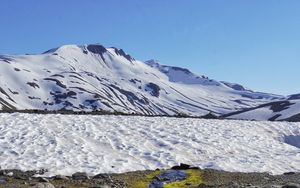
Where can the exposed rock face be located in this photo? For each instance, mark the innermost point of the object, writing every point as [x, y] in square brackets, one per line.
[96, 49]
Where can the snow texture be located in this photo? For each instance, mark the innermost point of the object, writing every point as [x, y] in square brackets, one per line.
[65, 144]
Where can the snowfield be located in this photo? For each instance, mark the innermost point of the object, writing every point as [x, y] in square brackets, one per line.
[65, 144]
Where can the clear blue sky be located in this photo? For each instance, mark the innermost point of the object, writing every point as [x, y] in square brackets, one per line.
[252, 42]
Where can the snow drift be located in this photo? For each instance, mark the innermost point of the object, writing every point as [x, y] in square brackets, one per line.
[65, 144]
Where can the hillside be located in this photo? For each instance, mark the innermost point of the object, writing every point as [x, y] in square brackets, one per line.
[92, 77]
[287, 110]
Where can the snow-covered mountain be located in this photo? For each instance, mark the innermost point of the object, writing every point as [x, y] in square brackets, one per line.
[92, 77]
[286, 110]
[293, 97]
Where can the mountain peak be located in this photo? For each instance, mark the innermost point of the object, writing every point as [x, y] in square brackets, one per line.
[121, 52]
[96, 48]
[67, 47]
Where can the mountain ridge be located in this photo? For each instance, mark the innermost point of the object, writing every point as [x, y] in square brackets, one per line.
[93, 77]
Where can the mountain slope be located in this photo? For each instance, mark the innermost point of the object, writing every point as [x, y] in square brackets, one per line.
[92, 77]
[287, 110]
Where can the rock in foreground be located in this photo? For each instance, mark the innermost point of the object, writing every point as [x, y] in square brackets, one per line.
[189, 177]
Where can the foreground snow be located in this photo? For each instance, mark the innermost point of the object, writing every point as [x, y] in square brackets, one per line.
[65, 144]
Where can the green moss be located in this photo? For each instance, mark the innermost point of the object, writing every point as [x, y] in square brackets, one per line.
[194, 178]
[141, 184]
[145, 181]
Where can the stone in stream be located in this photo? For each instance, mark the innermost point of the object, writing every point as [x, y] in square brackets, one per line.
[183, 166]
[188, 183]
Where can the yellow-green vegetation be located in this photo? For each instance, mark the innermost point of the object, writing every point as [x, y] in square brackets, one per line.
[194, 178]
[146, 180]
